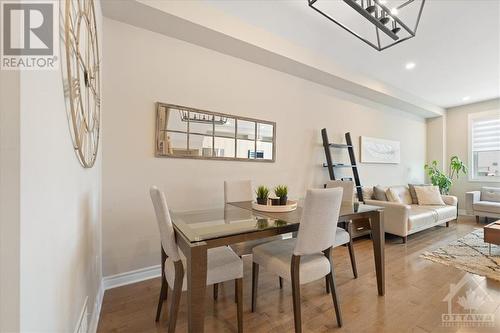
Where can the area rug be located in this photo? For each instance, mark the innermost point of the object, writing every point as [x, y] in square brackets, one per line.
[469, 253]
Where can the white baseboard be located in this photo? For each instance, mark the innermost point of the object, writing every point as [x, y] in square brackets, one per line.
[138, 275]
[96, 311]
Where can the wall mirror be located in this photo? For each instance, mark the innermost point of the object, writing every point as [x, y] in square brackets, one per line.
[183, 132]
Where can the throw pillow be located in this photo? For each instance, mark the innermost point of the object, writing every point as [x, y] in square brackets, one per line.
[379, 193]
[429, 195]
[392, 195]
[367, 193]
[413, 194]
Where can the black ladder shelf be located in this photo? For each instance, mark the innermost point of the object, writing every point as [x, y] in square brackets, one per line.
[332, 166]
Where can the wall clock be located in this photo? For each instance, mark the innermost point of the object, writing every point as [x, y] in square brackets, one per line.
[82, 78]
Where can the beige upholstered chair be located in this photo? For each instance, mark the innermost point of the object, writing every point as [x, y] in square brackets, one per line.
[222, 265]
[306, 258]
[484, 203]
[344, 236]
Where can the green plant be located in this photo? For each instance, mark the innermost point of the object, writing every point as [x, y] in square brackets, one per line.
[281, 191]
[440, 178]
[262, 192]
[456, 166]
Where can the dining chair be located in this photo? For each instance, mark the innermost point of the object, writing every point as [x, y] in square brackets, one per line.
[222, 265]
[344, 236]
[306, 258]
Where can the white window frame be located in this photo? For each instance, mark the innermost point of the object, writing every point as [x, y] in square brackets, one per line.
[471, 175]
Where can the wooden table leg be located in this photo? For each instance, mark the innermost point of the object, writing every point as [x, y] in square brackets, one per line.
[378, 237]
[196, 287]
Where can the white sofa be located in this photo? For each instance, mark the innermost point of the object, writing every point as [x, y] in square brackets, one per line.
[406, 218]
[484, 203]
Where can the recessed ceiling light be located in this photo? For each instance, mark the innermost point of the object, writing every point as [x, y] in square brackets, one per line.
[410, 65]
[466, 98]
[394, 11]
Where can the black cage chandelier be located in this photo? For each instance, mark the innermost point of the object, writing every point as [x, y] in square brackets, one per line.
[379, 23]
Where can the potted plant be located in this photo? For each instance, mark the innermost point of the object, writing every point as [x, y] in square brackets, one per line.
[443, 180]
[281, 192]
[262, 194]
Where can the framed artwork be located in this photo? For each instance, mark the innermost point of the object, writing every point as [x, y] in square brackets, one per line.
[374, 150]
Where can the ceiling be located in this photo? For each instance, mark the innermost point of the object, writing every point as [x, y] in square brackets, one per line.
[456, 50]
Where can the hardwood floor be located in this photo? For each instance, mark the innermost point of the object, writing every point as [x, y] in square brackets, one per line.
[415, 289]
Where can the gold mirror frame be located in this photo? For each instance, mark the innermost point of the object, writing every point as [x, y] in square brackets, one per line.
[161, 149]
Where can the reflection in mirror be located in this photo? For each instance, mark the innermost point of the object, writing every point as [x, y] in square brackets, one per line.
[200, 145]
[226, 129]
[224, 147]
[246, 129]
[245, 149]
[265, 132]
[264, 150]
[199, 123]
[191, 133]
[173, 144]
[175, 121]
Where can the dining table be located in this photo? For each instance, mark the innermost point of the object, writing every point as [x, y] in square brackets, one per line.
[199, 230]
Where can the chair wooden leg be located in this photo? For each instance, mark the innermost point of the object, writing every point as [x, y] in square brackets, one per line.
[216, 291]
[327, 285]
[239, 303]
[295, 267]
[176, 296]
[477, 219]
[405, 239]
[164, 285]
[235, 292]
[281, 282]
[447, 224]
[353, 259]
[333, 288]
[163, 297]
[255, 285]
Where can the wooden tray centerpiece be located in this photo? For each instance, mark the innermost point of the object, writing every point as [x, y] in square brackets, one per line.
[290, 205]
[279, 204]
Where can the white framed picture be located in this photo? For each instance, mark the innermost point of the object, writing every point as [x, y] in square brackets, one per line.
[374, 150]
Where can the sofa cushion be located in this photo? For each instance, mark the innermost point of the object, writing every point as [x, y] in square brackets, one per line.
[411, 188]
[420, 216]
[429, 195]
[367, 192]
[402, 192]
[442, 212]
[379, 193]
[490, 194]
[392, 195]
[487, 206]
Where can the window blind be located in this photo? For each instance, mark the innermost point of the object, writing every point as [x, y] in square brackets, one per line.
[486, 133]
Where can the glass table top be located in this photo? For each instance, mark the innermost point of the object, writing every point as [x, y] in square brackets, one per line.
[239, 218]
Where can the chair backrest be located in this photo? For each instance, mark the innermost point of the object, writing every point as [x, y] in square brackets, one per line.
[167, 233]
[490, 194]
[347, 185]
[238, 190]
[318, 224]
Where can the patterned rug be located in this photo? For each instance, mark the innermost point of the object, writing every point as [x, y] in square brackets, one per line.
[469, 253]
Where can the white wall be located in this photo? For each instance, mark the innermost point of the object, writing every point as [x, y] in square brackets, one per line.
[457, 143]
[436, 140]
[146, 67]
[59, 210]
[9, 201]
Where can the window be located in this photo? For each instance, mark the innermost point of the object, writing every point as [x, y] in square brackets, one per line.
[484, 146]
[191, 133]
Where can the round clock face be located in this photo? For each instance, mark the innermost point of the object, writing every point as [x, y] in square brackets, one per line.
[83, 78]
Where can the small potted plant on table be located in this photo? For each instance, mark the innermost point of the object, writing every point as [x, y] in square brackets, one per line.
[262, 194]
[281, 192]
